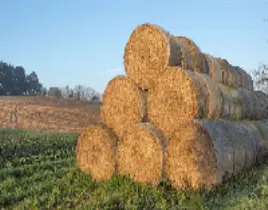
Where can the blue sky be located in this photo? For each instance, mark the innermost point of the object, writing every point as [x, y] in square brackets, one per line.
[69, 42]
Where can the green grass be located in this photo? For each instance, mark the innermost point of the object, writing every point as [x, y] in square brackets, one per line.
[38, 171]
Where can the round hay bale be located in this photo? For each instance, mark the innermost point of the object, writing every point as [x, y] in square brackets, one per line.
[198, 57]
[149, 50]
[234, 79]
[199, 154]
[261, 105]
[123, 104]
[140, 154]
[96, 152]
[246, 80]
[252, 140]
[262, 127]
[237, 101]
[178, 95]
[187, 58]
[224, 70]
[229, 103]
[214, 69]
[213, 96]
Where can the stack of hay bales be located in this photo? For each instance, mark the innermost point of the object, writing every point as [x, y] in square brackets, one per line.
[179, 114]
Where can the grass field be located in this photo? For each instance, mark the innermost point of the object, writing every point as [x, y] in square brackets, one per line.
[38, 171]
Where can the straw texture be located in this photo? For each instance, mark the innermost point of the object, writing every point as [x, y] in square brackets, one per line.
[149, 50]
[96, 152]
[181, 95]
[141, 154]
[203, 153]
[198, 58]
[123, 104]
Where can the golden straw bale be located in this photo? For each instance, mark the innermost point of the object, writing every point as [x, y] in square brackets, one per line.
[178, 95]
[224, 64]
[228, 103]
[123, 104]
[198, 154]
[181, 95]
[214, 68]
[197, 55]
[141, 153]
[187, 58]
[213, 96]
[96, 151]
[203, 153]
[149, 50]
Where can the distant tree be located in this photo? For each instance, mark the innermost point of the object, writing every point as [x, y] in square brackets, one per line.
[54, 91]
[14, 81]
[260, 78]
[33, 85]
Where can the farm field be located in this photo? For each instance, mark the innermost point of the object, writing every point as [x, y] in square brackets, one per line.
[49, 114]
[38, 171]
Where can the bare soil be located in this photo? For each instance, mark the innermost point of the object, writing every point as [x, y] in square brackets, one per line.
[48, 114]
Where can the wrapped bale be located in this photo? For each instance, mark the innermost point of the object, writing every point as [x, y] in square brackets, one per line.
[198, 58]
[96, 151]
[123, 104]
[203, 153]
[181, 95]
[140, 154]
[149, 50]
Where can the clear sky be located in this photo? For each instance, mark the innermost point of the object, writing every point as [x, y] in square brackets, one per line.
[69, 42]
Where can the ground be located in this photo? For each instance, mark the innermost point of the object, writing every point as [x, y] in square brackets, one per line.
[38, 171]
[48, 113]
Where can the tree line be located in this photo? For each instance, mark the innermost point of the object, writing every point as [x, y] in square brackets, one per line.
[15, 82]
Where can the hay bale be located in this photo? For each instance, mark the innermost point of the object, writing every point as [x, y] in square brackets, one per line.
[246, 79]
[123, 104]
[199, 154]
[187, 58]
[229, 103]
[182, 95]
[96, 152]
[234, 79]
[252, 139]
[224, 70]
[213, 96]
[149, 50]
[178, 95]
[140, 154]
[214, 68]
[262, 127]
[197, 56]
[203, 153]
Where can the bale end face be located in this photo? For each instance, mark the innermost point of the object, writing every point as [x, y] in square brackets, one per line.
[96, 152]
[190, 158]
[140, 154]
[149, 50]
[178, 95]
[123, 104]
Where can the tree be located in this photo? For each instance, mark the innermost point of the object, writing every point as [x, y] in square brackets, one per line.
[54, 91]
[14, 81]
